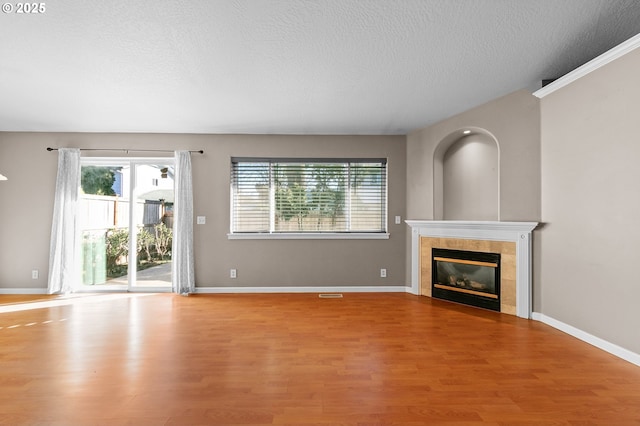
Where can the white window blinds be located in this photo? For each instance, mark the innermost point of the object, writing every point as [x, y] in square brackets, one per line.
[313, 196]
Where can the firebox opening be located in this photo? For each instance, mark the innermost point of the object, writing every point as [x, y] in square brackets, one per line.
[468, 277]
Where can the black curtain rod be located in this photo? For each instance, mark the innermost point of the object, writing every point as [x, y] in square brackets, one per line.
[127, 150]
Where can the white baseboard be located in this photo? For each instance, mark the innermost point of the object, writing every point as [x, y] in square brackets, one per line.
[345, 289]
[205, 290]
[23, 291]
[613, 349]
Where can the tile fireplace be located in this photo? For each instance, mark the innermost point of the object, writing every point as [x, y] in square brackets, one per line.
[509, 242]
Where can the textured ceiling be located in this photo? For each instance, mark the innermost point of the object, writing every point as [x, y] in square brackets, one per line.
[287, 66]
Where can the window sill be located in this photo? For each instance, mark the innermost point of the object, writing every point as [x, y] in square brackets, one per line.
[310, 236]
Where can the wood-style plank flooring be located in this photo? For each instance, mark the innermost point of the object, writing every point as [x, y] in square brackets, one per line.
[297, 359]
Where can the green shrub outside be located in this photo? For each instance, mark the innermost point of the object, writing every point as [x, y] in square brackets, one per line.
[152, 248]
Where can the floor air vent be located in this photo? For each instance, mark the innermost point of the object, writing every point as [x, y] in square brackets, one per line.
[330, 295]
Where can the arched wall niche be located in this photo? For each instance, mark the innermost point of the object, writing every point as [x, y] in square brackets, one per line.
[466, 176]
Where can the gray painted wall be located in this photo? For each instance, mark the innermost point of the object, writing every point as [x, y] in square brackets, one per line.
[27, 202]
[514, 122]
[470, 179]
[591, 205]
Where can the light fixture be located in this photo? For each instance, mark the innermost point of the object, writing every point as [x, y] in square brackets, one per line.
[466, 132]
[3, 177]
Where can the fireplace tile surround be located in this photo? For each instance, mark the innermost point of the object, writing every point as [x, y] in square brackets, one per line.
[511, 239]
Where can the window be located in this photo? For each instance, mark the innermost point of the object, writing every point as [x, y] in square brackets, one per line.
[303, 196]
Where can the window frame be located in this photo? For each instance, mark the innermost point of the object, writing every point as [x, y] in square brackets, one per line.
[308, 235]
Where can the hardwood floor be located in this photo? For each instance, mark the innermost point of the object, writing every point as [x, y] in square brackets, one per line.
[297, 359]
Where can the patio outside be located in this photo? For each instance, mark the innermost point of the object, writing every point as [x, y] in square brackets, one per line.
[105, 210]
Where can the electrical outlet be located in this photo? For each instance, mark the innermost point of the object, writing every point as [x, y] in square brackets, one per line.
[201, 220]
[35, 274]
[383, 273]
[398, 220]
[233, 273]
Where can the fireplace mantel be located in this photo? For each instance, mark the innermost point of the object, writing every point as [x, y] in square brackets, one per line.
[517, 232]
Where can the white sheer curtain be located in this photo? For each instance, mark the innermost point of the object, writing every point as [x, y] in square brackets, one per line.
[183, 270]
[62, 254]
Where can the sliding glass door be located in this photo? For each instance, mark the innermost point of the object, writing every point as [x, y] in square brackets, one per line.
[153, 225]
[126, 224]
